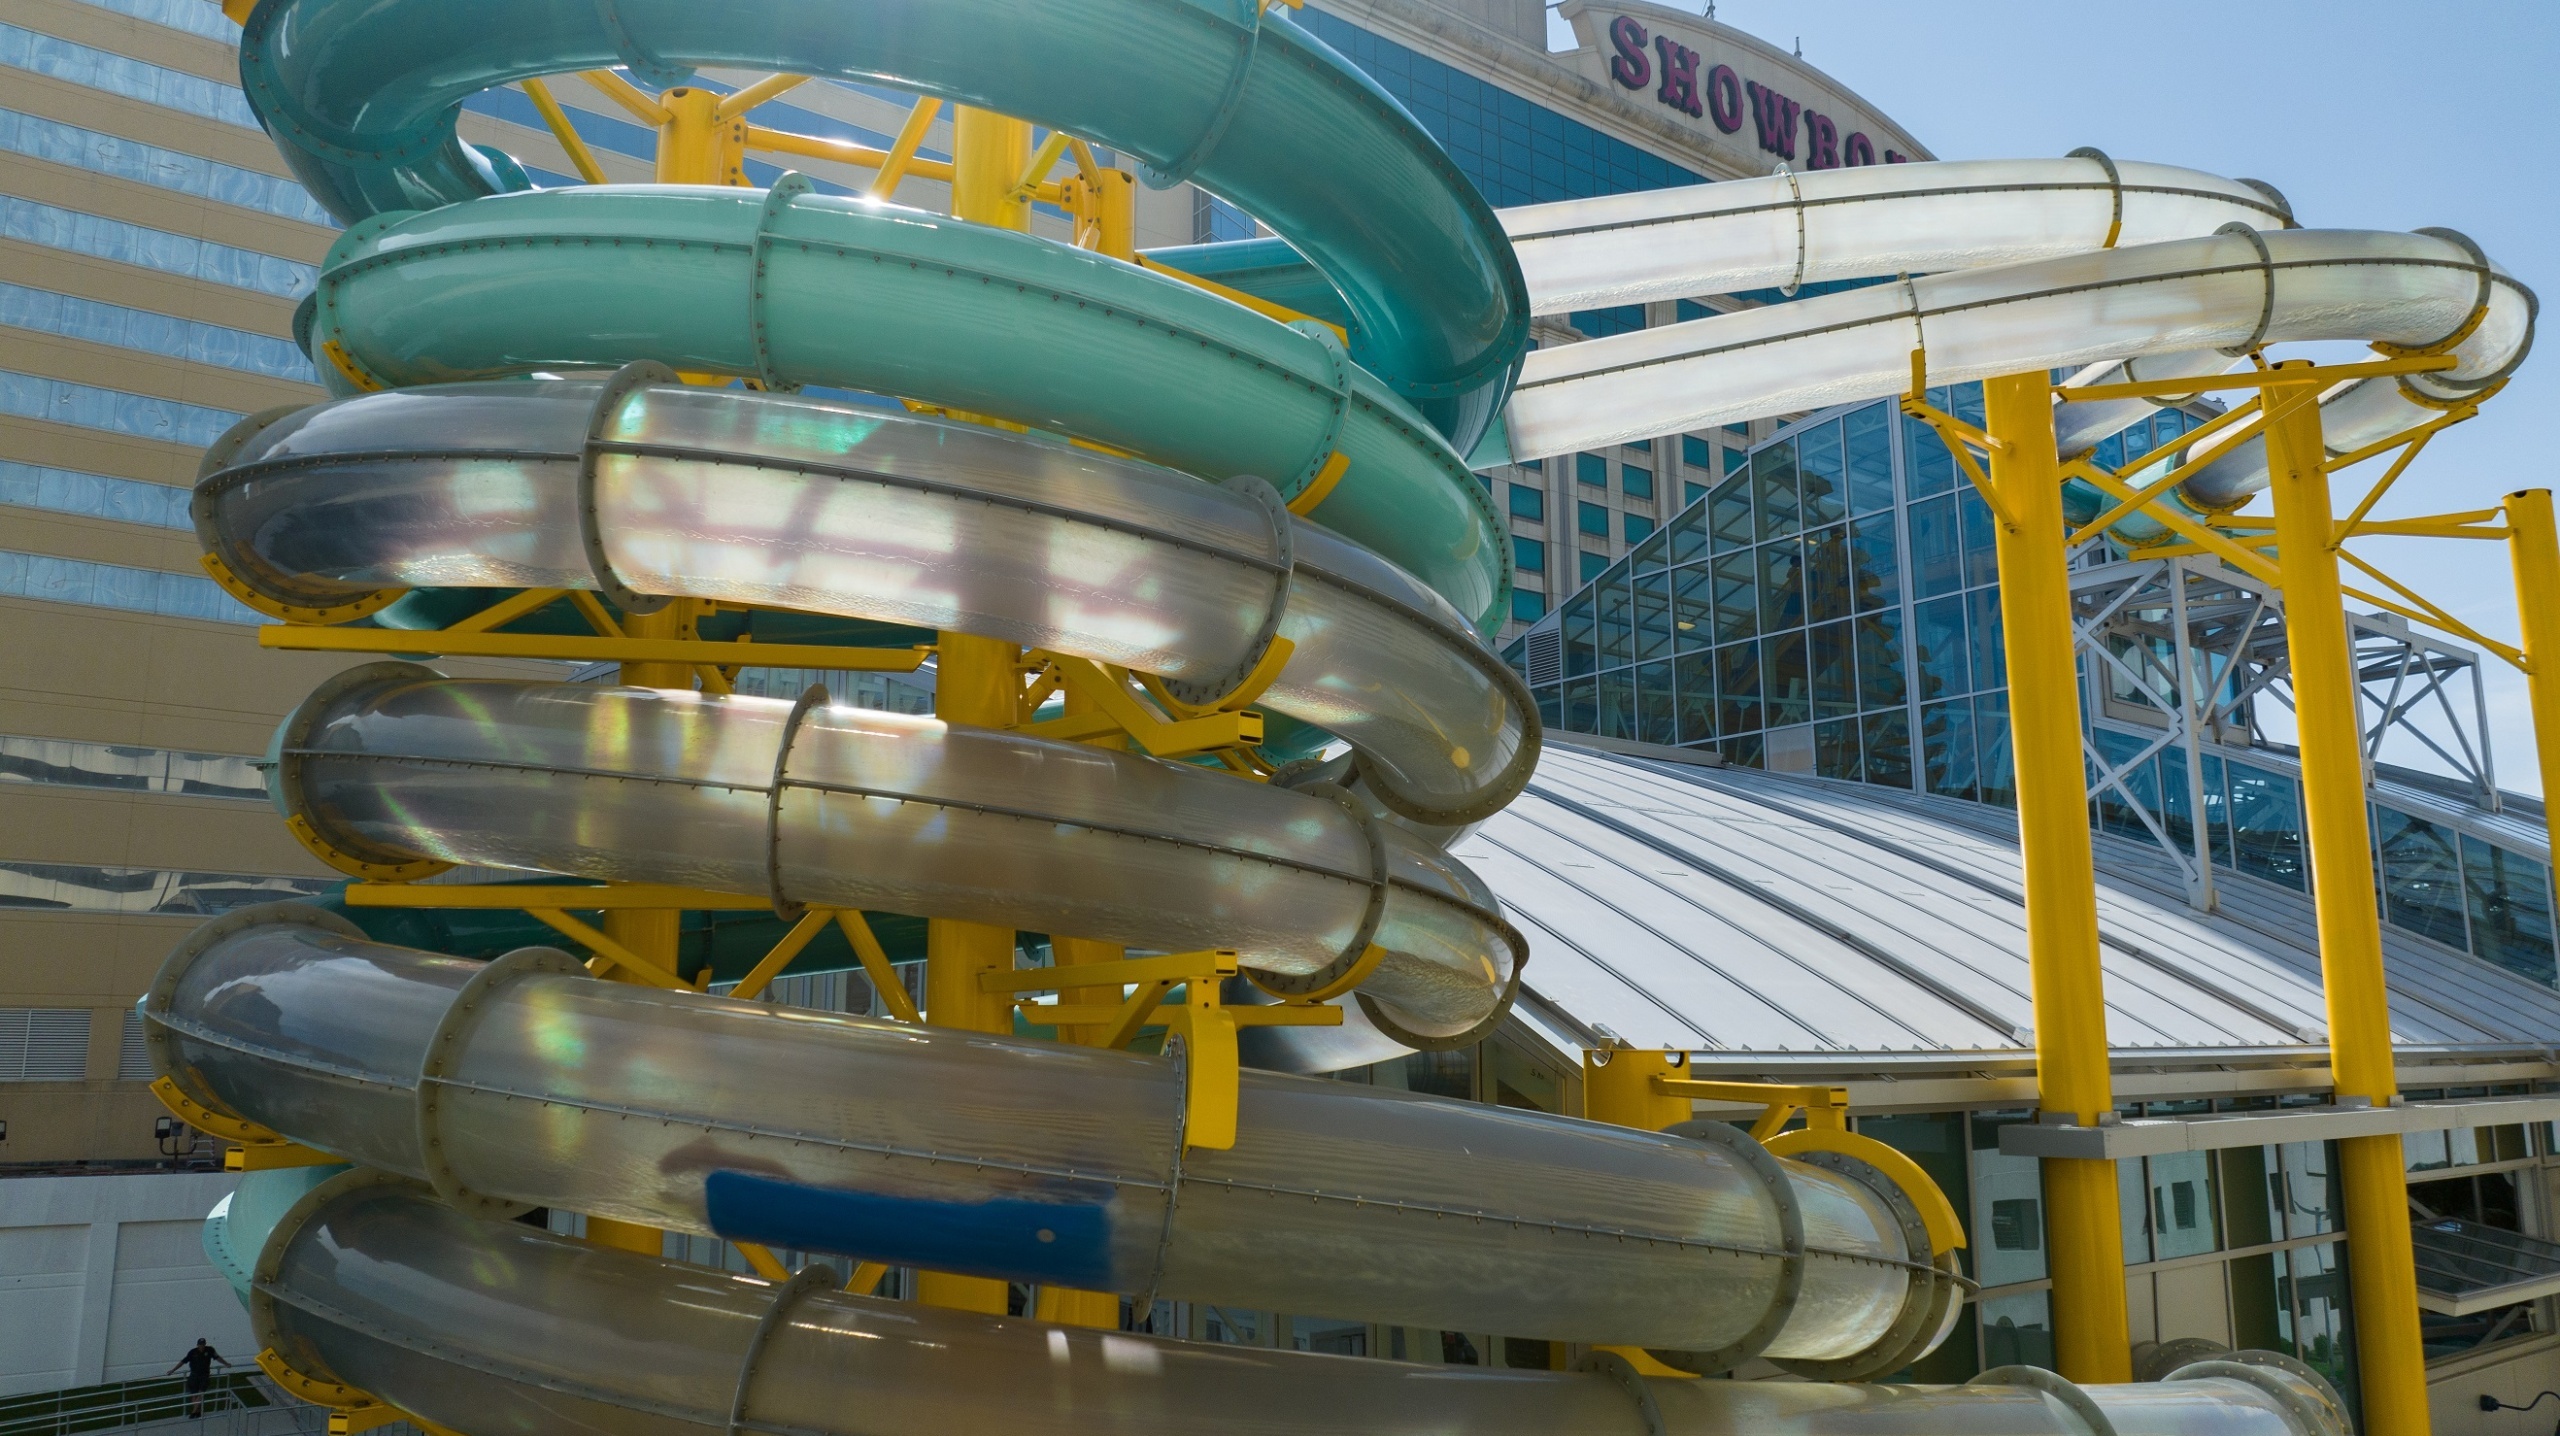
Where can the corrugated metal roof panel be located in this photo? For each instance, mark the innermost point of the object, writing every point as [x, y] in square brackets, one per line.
[1730, 909]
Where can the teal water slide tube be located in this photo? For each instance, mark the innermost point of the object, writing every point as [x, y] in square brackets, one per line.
[361, 97]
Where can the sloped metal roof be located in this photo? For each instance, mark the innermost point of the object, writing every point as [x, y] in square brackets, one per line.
[1732, 910]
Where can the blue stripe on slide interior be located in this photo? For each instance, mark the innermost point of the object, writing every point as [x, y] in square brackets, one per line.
[1053, 1242]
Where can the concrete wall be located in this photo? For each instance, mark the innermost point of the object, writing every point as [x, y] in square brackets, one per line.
[105, 1278]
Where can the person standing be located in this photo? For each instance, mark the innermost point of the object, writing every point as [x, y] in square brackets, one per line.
[199, 1361]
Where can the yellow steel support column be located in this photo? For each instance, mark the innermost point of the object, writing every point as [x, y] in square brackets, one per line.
[690, 151]
[697, 146]
[977, 680]
[2380, 1265]
[2085, 1244]
[2533, 544]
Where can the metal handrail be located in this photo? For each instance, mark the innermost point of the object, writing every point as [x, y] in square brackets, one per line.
[121, 1404]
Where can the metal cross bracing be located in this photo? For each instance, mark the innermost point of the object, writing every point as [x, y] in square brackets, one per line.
[2184, 648]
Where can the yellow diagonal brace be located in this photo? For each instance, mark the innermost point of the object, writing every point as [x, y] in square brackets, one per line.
[2150, 493]
[866, 1276]
[572, 143]
[2419, 609]
[1042, 159]
[756, 94]
[1134, 1014]
[607, 949]
[622, 92]
[770, 966]
[1263, 307]
[2253, 564]
[2424, 528]
[506, 610]
[1106, 689]
[592, 609]
[902, 150]
[876, 965]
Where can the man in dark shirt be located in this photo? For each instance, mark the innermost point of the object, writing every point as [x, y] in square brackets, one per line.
[199, 1361]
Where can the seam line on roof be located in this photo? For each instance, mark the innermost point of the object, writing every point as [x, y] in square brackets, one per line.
[1667, 1010]
[1873, 953]
[2449, 1018]
[2003, 891]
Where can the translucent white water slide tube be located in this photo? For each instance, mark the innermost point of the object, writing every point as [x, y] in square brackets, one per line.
[1786, 230]
[489, 1327]
[851, 807]
[829, 508]
[529, 1082]
[2228, 291]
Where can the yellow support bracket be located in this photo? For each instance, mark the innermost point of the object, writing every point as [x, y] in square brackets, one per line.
[1320, 488]
[866, 1277]
[578, 648]
[1116, 708]
[1043, 159]
[1946, 1230]
[556, 120]
[606, 949]
[2259, 379]
[2450, 527]
[876, 965]
[2245, 416]
[1825, 1107]
[1961, 439]
[843, 152]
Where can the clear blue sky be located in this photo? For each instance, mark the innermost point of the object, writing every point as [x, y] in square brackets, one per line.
[2367, 115]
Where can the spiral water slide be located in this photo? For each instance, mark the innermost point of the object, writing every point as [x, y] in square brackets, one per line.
[1338, 519]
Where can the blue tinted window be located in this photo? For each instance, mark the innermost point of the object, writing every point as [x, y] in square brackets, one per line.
[1635, 483]
[107, 585]
[103, 238]
[1528, 503]
[1528, 607]
[2421, 876]
[1732, 460]
[1870, 455]
[1528, 555]
[188, 15]
[1946, 749]
[1641, 446]
[100, 70]
[111, 410]
[1593, 519]
[1591, 469]
[1690, 493]
[97, 496]
[1937, 550]
[1825, 479]
[1685, 310]
[2266, 825]
[1593, 565]
[1696, 453]
[45, 312]
[1637, 526]
[1932, 469]
[2510, 902]
[1517, 152]
[119, 158]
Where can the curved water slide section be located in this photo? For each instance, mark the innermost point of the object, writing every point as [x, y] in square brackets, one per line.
[794, 503]
[2079, 263]
[843, 807]
[898, 301]
[361, 96]
[527, 1082]
[479, 1326]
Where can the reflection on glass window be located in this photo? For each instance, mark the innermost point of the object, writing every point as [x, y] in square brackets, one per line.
[1528, 503]
[1729, 513]
[107, 585]
[62, 763]
[1528, 555]
[1946, 749]
[30, 396]
[1635, 483]
[42, 311]
[1822, 474]
[1591, 469]
[1998, 772]
[1869, 442]
[118, 75]
[2510, 907]
[103, 238]
[2184, 1217]
[2266, 825]
[2421, 874]
[1773, 490]
[1593, 519]
[96, 496]
[119, 158]
[1886, 741]
[69, 887]
[2017, 1330]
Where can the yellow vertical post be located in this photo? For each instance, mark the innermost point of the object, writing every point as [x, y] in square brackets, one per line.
[2085, 1235]
[2381, 1267]
[2533, 544]
[690, 151]
[977, 681]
